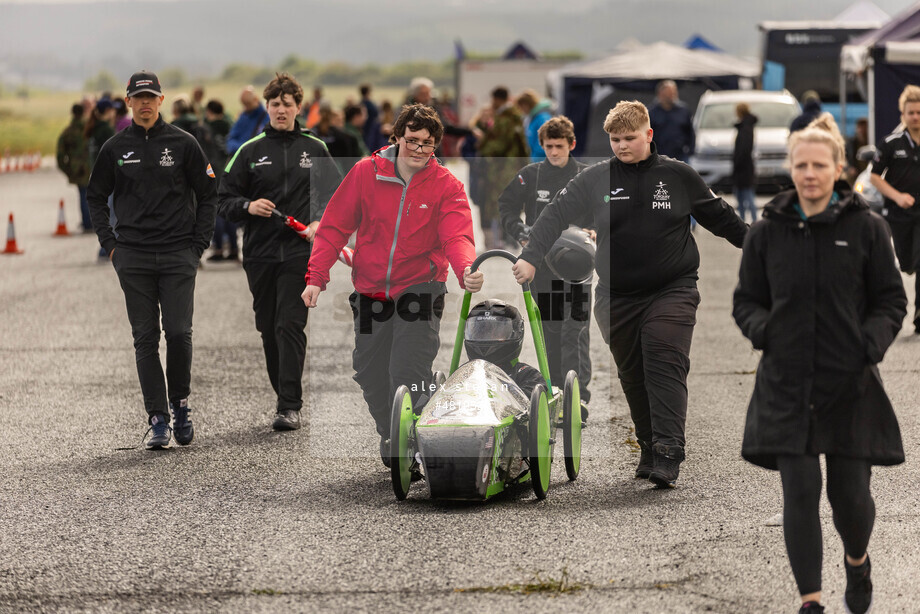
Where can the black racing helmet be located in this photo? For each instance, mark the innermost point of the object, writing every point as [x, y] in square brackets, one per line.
[572, 256]
[494, 332]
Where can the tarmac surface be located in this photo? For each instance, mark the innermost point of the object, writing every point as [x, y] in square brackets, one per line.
[246, 519]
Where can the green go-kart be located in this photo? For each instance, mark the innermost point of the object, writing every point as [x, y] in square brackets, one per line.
[478, 433]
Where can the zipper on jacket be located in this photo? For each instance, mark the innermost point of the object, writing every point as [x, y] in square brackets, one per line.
[402, 201]
[284, 191]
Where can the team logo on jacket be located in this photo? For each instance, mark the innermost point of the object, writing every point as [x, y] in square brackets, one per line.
[614, 195]
[263, 161]
[900, 153]
[127, 159]
[661, 199]
[166, 159]
[543, 196]
[305, 160]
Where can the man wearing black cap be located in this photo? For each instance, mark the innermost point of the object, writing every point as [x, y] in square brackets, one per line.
[165, 201]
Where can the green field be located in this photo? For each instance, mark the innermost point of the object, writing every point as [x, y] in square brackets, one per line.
[33, 123]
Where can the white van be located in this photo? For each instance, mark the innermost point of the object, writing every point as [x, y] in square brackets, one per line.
[714, 123]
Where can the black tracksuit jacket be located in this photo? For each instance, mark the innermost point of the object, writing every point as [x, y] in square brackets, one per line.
[642, 216]
[165, 194]
[292, 169]
[900, 156]
[532, 189]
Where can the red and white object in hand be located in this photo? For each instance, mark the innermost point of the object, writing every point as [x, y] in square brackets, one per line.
[347, 255]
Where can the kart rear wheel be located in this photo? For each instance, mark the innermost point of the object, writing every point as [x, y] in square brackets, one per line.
[539, 447]
[571, 425]
[402, 442]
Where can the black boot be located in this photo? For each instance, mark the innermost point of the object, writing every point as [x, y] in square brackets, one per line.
[858, 595]
[646, 462]
[667, 461]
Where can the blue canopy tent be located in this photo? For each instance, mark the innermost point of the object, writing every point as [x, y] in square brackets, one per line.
[697, 41]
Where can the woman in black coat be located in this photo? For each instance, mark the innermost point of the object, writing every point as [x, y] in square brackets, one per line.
[819, 293]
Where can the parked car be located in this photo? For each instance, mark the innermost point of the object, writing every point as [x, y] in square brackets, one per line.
[714, 122]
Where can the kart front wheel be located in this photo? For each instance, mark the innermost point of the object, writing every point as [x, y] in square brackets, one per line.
[539, 448]
[402, 442]
[571, 425]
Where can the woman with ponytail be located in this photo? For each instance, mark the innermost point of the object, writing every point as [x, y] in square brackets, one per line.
[820, 294]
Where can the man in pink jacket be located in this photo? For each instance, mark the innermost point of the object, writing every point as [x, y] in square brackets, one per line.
[412, 219]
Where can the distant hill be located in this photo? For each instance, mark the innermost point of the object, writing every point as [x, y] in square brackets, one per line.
[61, 44]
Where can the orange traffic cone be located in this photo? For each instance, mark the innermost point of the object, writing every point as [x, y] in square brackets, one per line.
[11, 247]
[62, 224]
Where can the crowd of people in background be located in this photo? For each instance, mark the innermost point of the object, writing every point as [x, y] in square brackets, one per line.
[500, 139]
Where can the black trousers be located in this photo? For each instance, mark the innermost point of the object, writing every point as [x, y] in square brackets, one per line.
[152, 281]
[281, 317]
[565, 311]
[396, 342]
[649, 338]
[851, 502]
[906, 235]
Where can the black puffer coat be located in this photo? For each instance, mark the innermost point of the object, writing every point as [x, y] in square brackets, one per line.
[823, 299]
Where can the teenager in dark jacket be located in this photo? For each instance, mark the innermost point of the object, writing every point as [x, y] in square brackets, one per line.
[898, 157]
[292, 171]
[164, 199]
[819, 293]
[565, 308]
[646, 263]
[743, 176]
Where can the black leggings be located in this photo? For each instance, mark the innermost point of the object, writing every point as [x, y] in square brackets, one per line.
[851, 502]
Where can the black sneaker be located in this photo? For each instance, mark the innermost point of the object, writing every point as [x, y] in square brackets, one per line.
[182, 427]
[811, 607]
[646, 462]
[159, 427]
[857, 599]
[286, 420]
[666, 465]
[385, 451]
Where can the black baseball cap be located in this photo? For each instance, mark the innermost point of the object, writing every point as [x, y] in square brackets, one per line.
[144, 81]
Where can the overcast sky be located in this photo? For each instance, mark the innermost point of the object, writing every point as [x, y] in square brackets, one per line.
[63, 42]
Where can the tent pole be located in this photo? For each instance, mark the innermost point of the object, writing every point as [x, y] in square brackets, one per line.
[843, 101]
[870, 85]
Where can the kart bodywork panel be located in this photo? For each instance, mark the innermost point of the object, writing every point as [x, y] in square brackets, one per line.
[472, 433]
